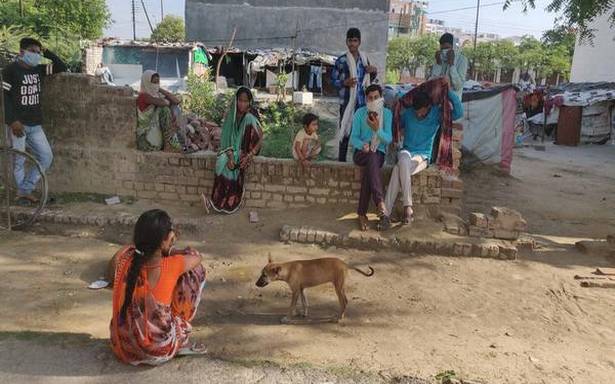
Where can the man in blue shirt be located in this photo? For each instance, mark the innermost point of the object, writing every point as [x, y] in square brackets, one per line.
[371, 134]
[420, 126]
[349, 76]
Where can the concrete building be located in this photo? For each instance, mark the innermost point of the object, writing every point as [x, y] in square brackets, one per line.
[595, 62]
[407, 17]
[319, 25]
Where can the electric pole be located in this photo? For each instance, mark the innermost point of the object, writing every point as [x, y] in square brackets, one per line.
[476, 24]
[161, 11]
[134, 22]
[147, 16]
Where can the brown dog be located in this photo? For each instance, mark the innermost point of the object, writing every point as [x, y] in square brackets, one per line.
[303, 274]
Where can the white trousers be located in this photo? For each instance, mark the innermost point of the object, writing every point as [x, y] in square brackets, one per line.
[401, 178]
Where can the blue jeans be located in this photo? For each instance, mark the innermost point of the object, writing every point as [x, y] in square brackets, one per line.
[39, 147]
[315, 72]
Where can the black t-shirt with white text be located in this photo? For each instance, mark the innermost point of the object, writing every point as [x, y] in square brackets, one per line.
[22, 87]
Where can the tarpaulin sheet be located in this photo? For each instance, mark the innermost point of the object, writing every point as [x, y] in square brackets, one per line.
[488, 126]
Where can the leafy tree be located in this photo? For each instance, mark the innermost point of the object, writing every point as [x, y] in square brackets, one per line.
[576, 13]
[399, 55]
[61, 25]
[85, 19]
[170, 30]
[560, 35]
[411, 53]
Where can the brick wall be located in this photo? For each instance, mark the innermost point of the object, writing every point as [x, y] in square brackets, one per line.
[92, 130]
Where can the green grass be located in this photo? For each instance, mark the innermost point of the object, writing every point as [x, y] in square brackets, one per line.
[281, 124]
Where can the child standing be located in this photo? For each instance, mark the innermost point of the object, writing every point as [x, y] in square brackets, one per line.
[306, 146]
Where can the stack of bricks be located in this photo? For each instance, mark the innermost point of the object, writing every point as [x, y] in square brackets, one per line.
[503, 223]
[93, 138]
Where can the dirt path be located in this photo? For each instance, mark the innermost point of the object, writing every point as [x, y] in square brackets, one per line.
[526, 321]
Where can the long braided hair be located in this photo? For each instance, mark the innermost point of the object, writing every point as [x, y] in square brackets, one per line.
[151, 229]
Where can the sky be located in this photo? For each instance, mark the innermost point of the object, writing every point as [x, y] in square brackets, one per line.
[511, 22]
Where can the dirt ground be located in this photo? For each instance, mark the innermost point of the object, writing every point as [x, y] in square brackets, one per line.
[525, 321]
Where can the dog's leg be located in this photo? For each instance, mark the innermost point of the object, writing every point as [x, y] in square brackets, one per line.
[341, 296]
[304, 302]
[293, 304]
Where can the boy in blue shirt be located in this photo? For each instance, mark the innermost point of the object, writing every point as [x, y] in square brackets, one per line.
[371, 133]
[420, 126]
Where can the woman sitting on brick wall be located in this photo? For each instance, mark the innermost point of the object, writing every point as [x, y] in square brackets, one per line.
[241, 141]
[157, 125]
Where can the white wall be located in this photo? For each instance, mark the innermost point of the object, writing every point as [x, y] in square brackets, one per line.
[597, 62]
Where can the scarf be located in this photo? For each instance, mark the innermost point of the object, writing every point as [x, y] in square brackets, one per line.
[147, 86]
[377, 107]
[346, 124]
[232, 138]
[438, 89]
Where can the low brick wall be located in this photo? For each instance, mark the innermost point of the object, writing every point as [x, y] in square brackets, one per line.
[92, 130]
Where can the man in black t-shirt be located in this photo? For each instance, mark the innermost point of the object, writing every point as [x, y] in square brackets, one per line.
[21, 83]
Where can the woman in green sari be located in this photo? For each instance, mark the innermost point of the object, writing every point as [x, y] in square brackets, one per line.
[241, 140]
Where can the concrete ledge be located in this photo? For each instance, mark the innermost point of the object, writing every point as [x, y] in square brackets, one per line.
[306, 235]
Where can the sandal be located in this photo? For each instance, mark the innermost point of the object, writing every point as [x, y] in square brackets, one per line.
[193, 349]
[384, 223]
[407, 220]
[206, 203]
[28, 199]
[363, 223]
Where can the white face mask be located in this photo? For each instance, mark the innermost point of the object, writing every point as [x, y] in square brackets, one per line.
[31, 58]
[376, 105]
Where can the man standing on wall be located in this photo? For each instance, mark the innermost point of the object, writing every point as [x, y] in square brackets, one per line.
[451, 63]
[21, 82]
[351, 74]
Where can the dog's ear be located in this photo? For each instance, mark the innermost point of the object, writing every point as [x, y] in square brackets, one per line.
[269, 260]
[276, 270]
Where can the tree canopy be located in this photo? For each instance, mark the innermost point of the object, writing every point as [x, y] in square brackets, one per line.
[411, 53]
[576, 13]
[60, 24]
[170, 30]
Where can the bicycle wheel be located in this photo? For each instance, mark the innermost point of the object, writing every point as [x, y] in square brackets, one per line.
[23, 212]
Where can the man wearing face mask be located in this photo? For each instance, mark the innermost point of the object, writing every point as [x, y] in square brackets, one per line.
[370, 137]
[21, 82]
[450, 63]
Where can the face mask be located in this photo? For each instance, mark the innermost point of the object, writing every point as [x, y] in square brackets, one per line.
[376, 105]
[155, 87]
[32, 59]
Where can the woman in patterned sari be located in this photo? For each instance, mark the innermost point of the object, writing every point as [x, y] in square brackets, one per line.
[157, 116]
[156, 292]
[240, 142]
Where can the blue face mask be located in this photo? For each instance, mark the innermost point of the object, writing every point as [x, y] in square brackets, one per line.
[32, 59]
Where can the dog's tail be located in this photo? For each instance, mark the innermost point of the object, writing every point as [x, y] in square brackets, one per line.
[368, 274]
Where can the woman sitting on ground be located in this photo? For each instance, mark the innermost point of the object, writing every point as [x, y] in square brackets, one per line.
[157, 124]
[156, 293]
[241, 141]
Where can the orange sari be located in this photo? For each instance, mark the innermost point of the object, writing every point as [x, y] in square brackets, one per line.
[157, 323]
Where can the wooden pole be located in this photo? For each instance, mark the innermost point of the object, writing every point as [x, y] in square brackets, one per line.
[134, 22]
[147, 16]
